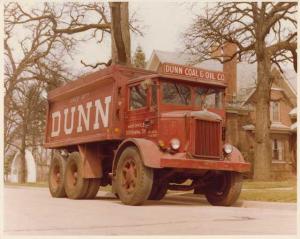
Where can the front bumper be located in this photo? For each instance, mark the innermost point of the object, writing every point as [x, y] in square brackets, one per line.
[204, 164]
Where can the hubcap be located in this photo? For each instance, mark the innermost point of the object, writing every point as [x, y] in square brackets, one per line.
[129, 175]
[75, 176]
[55, 176]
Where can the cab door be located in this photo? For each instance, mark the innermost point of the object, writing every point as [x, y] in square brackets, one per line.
[141, 112]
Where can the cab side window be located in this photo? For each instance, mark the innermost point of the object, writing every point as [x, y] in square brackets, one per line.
[154, 95]
[138, 97]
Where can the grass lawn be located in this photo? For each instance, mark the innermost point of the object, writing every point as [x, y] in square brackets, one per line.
[270, 195]
[272, 184]
[275, 191]
[38, 184]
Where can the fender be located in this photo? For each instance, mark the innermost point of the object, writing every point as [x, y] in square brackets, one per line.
[235, 156]
[149, 151]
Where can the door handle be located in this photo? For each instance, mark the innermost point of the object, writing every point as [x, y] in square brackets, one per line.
[147, 123]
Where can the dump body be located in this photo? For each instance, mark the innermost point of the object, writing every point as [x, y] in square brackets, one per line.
[89, 109]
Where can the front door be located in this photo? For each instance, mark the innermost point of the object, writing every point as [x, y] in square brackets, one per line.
[141, 115]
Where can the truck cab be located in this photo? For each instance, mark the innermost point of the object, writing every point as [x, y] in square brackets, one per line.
[160, 131]
[174, 114]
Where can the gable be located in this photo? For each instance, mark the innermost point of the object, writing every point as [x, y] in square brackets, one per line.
[159, 57]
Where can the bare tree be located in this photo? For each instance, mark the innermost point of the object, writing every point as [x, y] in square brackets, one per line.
[30, 106]
[33, 58]
[264, 32]
[46, 32]
[99, 19]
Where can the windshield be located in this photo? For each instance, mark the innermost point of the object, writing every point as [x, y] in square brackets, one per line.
[181, 94]
[209, 97]
[176, 93]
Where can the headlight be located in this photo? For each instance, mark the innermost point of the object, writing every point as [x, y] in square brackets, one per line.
[175, 144]
[228, 148]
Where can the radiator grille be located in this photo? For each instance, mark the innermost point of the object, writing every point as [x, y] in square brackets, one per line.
[207, 138]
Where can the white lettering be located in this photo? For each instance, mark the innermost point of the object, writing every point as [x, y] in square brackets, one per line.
[84, 112]
[104, 116]
[220, 76]
[55, 115]
[85, 117]
[70, 129]
[173, 69]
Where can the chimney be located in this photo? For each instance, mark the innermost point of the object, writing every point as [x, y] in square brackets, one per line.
[230, 70]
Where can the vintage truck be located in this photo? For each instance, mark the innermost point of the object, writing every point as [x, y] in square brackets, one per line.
[142, 132]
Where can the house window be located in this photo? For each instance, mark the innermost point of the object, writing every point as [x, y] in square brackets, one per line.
[274, 111]
[277, 150]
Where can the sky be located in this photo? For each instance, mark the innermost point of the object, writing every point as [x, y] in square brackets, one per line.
[162, 25]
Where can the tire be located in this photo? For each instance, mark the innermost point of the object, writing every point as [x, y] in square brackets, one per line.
[199, 190]
[133, 179]
[76, 186]
[93, 188]
[56, 176]
[159, 189]
[158, 192]
[225, 189]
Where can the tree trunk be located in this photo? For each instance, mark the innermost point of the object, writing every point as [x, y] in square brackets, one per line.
[23, 170]
[262, 159]
[22, 174]
[120, 35]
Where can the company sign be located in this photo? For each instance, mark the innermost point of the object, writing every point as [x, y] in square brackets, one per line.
[193, 72]
[91, 115]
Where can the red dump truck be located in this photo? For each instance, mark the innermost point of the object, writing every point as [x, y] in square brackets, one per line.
[144, 133]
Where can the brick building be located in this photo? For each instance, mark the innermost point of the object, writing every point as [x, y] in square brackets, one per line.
[240, 110]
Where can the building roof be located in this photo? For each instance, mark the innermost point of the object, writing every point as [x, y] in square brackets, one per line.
[181, 58]
[294, 127]
[291, 76]
[275, 126]
[293, 113]
[246, 76]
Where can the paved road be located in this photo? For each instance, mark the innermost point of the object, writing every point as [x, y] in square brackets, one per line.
[31, 211]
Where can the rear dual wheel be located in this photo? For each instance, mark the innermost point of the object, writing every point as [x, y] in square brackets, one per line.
[56, 176]
[76, 186]
[66, 178]
[93, 188]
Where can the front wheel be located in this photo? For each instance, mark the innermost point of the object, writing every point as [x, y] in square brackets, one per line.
[224, 189]
[133, 179]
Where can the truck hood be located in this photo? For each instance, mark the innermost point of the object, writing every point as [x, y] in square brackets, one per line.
[202, 114]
